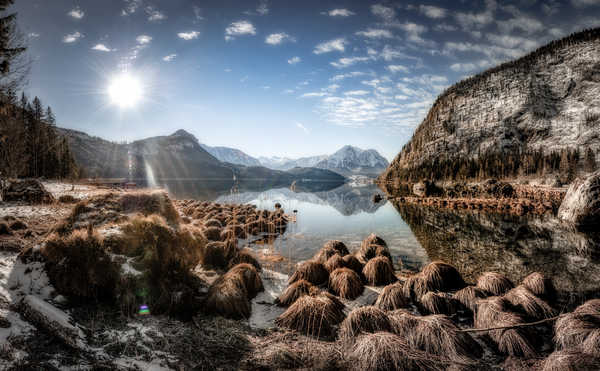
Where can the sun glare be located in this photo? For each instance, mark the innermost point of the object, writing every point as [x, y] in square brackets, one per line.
[125, 90]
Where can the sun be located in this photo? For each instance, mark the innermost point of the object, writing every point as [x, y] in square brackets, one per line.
[125, 90]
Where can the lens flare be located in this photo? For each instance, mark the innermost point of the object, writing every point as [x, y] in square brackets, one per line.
[144, 310]
[125, 90]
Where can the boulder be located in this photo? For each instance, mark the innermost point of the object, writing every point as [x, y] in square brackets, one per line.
[581, 205]
[28, 190]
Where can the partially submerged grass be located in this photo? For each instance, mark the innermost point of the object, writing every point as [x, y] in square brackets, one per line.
[314, 315]
[440, 276]
[350, 261]
[312, 271]
[345, 283]
[335, 262]
[293, 292]
[364, 320]
[379, 271]
[392, 297]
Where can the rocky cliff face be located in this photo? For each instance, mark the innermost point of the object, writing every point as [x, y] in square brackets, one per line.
[536, 116]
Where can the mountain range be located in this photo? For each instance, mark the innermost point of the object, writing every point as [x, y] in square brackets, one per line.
[536, 117]
[178, 158]
[347, 161]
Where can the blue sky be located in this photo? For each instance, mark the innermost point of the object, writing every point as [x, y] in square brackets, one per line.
[280, 77]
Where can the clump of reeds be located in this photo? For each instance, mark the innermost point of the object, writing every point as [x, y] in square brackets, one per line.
[384, 351]
[530, 304]
[494, 283]
[469, 296]
[245, 256]
[379, 271]
[293, 292]
[364, 320]
[496, 312]
[345, 283]
[313, 315]
[230, 294]
[215, 255]
[324, 254]
[392, 297]
[350, 261]
[371, 246]
[212, 222]
[571, 360]
[591, 344]
[437, 303]
[440, 276]
[149, 203]
[213, 233]
[540, 285]
[333, 263]
[247, 274]
[572, 329]
[338, 246]
[414, 287]
[312, 271]
[403, 322]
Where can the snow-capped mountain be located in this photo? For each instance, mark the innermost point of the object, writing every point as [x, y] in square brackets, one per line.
[231, 155]
[347, 161]
[274, 162]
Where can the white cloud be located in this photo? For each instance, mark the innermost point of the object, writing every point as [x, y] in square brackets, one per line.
[131, 6]
[383, 12]
[102, 48]
[356, 92]
[339, 13]
[433, 11]
[313, 94]
[189, 35]
[556, 32]
[513, 42]
[330, 46]
[143, 39]
[169, 58]
[76, 13]
[477, 20]
[341, 77]
[294, 60]
[33, 35]
[155, 15]
[375, 33]
[347, 62]
[278, 38]
[72, 37]
[239, 28]
[445, 27]
[521, 22]
[302, 127]
[227, 70]
[584, 3]
[550, 7]
[395, 68]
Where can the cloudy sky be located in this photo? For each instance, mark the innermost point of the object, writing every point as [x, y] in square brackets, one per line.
[273, 77]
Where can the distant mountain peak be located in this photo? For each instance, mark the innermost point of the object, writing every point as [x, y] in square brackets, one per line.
[183, 133]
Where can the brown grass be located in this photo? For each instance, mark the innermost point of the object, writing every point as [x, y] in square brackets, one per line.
[311, 271]
[413, 287]
[293, 292]
[324, 254]
[212, 222]
[496, 312]
[345, 283]
[540, 286]
[338, 246]
[384, 351]
[333, 263]
[469, 296]
[248, 275]
[591, 344]
[213, 233]
[67, 199]
[228, 297]
[534, 307]
[313, 315]
[215, 256]
[245, 256]
[437, 303]
[440, 276]
[571, 360]
[379, 271]
[572, 329]
[392, 297]
[363, 320]
[350, 261]
[494, 283]
[368, 248]
[150, 203]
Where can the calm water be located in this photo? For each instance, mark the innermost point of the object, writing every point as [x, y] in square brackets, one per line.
[416, 235]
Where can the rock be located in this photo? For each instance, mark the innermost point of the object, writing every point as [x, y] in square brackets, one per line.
[377, 198]
[28, 190]
[581, 205]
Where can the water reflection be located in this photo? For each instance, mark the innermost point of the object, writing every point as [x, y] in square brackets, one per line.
[515, 246]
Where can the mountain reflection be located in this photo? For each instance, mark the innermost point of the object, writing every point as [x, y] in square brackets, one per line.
[515, 246]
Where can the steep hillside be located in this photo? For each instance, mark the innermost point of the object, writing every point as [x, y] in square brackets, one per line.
[538, 116]
[231, 155]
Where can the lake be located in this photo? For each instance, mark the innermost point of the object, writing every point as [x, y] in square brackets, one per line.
[473, 242]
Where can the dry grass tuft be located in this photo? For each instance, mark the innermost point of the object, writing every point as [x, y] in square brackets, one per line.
[379, 271]
[591, 344]
[369, 247]
[245, 256]
[469, 296]
[215, 255]
[571, 360]
[212, 222]
[384, 351]
[311, 271]
[350, 261]
[494, 283]
[496, 312]
[345, 283]
[313, 315]
[439, 276]
[437, 303]
[572, 329]
[335, 262]
[413, 287]
[338, 246]
[364, 320]
[293, 292]
[248, 275]
[150, 203]
[213, 233]
[530, 304]
[392, 297]
[323, 255]
[229, 298]
[540, 286]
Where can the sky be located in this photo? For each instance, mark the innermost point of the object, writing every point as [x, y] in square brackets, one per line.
[273, 78]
